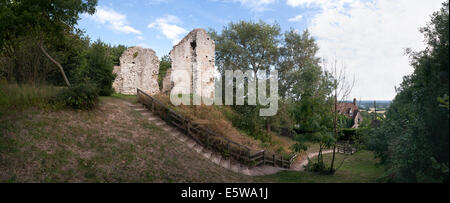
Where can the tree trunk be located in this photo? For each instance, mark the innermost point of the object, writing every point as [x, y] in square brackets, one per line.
[268, 125]
[335, 128]
[56, 63]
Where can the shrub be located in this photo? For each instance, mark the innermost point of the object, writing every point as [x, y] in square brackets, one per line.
[97, 67]
[79, 96]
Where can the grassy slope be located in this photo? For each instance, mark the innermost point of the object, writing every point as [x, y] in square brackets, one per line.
[358, 168]
[115, 144]
[110, 144]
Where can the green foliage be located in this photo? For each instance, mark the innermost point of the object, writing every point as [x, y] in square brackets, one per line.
[413, 139]
[164, 65]
[80, 96]
[17, 97]
[344, 121]
[248, 46]
[324, 139]
[46, 19]
[304, 86]
[116, 52]
[356, 136]
[96, 67]
[299, 70]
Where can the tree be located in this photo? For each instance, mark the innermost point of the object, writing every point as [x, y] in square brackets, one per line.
[46, 19]
[116, 52]
[164, 65]
[248, 46]
[413, 139]
[342, 87]
[307, 87]
[299, 68]
[96, 67]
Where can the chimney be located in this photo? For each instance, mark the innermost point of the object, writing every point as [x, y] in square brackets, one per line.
[354, 101]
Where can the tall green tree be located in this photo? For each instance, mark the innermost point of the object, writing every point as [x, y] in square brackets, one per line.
[413, 139]
[46, 19]
[116, 52]
[248, 46]
[298, 68]
[97, 67]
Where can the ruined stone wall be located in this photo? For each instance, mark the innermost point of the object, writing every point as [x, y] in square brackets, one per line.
[139, 68]
[194, 54]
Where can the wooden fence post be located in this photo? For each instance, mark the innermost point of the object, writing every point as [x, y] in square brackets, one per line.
[248, 156]
[153, 106]
[239, 155]
[186, 127]
[264, 157]
[228, 148]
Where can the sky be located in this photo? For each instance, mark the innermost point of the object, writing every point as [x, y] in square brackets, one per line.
[367, 37]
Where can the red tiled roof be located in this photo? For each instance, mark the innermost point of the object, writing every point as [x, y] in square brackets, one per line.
[344, 108]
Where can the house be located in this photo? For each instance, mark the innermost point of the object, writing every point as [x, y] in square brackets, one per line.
[350, 110]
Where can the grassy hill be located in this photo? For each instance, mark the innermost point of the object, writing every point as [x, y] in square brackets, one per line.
[112, 143]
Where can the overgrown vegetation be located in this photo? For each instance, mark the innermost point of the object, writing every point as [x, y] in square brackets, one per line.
[45, 49]
[413, 139]
[96, 67]
[164, 65]
[18, 97]
[305, 89]
[78, 96]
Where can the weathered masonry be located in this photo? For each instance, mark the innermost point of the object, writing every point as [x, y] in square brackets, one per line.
[139, 68]
[194, 54]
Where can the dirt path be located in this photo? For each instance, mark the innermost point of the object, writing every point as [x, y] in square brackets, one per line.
[301, 165]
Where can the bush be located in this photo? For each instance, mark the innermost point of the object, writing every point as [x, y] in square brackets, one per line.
[80, 96]
[316, 167]
[97, 67]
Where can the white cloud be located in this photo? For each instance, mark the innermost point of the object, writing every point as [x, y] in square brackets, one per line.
[322, 3]
[254, 5]
[297, 18]
[114, 20]
[169, 27]
[370, 38]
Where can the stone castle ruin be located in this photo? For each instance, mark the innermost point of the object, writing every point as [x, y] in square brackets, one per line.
[194, 54]
[139, 68]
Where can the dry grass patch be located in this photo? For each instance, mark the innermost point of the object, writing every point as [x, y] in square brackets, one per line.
[214, 118]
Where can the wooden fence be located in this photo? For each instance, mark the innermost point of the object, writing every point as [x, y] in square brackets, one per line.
[211, 140]
[346, 148]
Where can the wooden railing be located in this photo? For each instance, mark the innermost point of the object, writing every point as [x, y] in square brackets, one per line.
[346, 148]
[211, 140]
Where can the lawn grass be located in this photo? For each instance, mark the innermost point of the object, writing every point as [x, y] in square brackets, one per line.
[130, 98]
[361, 167]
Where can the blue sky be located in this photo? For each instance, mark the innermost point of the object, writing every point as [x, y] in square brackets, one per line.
[367, 37]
